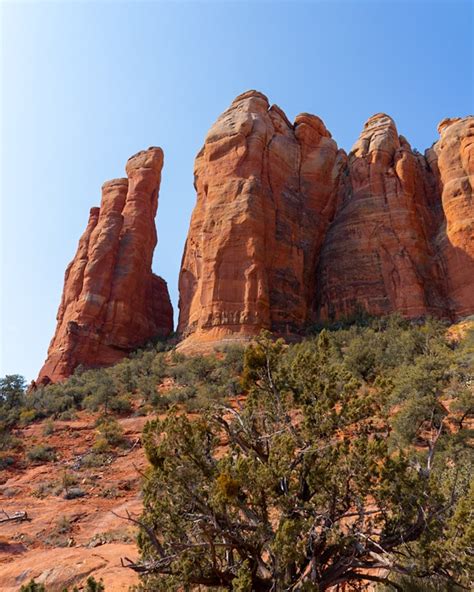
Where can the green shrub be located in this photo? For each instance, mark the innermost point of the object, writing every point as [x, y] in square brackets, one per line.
[74, 493]
[48, 427]
[32, 586]
[6, 460]
[329, 460]
[27, 416]
[109, 434]
[91, 585]
[12, 390]
[41, 453]
[94, 460]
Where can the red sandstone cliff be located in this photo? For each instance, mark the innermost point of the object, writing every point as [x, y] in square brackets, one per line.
[112, 302]
[378, 255]
[452, 159]
[265, 197]
[288, 230]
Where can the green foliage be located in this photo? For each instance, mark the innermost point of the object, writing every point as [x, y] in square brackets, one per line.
[48, 427]
[109, 435]
[6, 460]
[12, 390]
[345, 459]
[41, 453]
[91, 585]
[198, 382]
[32, 586]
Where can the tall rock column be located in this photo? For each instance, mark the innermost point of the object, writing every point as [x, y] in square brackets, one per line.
[452, 159]
[265, 196]
[112, 302]
[378, 253]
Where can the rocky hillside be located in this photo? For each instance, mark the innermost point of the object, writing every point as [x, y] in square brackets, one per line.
[73, 501]
[358, 396]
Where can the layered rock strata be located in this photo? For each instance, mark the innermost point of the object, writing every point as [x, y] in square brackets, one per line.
[287, 231]
[112, 302]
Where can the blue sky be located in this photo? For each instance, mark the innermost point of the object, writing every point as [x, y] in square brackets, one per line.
[87, 84]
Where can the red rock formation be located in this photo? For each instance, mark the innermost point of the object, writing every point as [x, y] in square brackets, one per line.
[377, 255]
[265, 196]
[288, 230]
[112, 302]
[452, 159]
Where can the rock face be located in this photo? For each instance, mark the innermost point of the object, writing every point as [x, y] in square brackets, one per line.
[265, 197]
[378, 254]
[289, 230]
[452, 159]
[112, 302]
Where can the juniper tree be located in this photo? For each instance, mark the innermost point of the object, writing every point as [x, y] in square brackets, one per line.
[301, 488]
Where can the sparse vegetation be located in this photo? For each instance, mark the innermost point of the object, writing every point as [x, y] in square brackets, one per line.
[109, 435]
[117, 390]
[74, 493]
[91, 585]
[48, 427]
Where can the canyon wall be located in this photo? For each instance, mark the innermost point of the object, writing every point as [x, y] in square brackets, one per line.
[112, 302]
[378, 254]
[288, 230]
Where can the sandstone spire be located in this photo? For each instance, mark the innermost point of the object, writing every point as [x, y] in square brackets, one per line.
[265, 196]
[112, 302]
[378, 255]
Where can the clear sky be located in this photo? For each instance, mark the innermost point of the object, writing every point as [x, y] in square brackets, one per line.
[85, 85]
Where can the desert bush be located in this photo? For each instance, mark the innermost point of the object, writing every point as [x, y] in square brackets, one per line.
[27, 416]
[109, 434]
[340, 457]
[94, 460]
[6, 460]
[91, 585]
[41, 453]
[8, 441]
[68, 479]
[32, 586]
[48, 427]
[63, 525]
